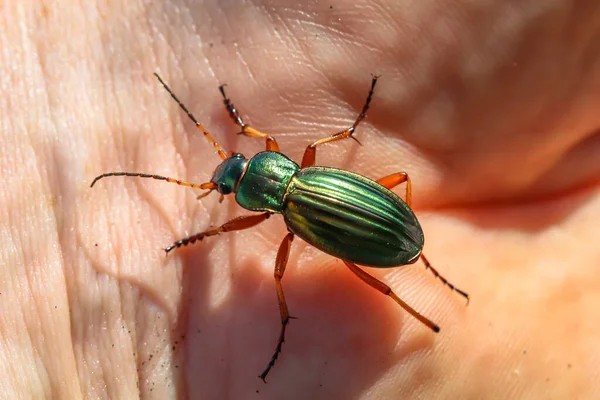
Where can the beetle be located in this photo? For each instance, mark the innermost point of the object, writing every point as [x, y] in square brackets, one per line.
[353, 218]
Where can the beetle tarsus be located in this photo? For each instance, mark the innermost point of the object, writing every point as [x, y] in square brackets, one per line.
[310, 153]
[428, 266]
[280, 342]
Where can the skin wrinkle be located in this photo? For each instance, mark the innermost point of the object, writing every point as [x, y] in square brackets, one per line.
[32, 279]
[281, 25]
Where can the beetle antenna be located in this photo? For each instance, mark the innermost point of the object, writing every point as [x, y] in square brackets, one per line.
[204, 186]
[222, 153]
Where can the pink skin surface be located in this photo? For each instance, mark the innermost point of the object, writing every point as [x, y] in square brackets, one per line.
[491, 107]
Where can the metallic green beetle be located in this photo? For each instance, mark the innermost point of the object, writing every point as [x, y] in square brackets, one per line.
[344, 214]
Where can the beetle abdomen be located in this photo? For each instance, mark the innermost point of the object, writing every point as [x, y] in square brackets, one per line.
[351, 217]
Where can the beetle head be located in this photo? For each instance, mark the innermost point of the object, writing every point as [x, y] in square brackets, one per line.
[228, 174]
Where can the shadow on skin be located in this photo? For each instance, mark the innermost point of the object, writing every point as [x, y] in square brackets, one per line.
[345, 337]
[530, 217]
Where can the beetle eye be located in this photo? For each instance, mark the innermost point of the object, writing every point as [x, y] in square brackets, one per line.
[223, 189]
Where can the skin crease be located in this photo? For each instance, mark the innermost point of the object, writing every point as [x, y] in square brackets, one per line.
[492, 108]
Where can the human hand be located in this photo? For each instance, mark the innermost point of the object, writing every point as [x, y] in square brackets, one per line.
[491, 109]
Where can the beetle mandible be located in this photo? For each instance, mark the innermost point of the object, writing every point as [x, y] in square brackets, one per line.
[344, 214]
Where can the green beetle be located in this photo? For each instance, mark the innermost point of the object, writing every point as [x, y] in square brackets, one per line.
[344, 214]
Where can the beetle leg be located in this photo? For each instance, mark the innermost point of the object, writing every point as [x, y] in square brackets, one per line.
[385, 289]
[280, 263]
[236, 224]
[394, 180]
[390, 182]
[246, 130]
[311, 151]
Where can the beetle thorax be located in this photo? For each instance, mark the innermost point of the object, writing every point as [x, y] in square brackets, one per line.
[228, 174]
